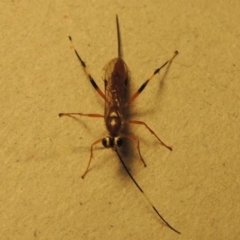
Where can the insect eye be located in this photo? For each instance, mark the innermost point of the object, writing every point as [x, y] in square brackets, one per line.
[106, 142]
[118, 142]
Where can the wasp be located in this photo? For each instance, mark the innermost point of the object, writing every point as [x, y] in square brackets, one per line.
[116, 83]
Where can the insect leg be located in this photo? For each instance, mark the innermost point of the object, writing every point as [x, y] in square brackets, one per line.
[133, 138]
[135, 95]
[96, 142]
[81, 114]
[87, 73]
[150, 130]
[91, 156]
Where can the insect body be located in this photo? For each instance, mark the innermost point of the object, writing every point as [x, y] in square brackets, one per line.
[116, 80]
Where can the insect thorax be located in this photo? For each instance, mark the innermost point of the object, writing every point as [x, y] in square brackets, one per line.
[113, 121]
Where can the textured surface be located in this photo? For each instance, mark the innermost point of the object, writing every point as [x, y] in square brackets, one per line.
[195, 109]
